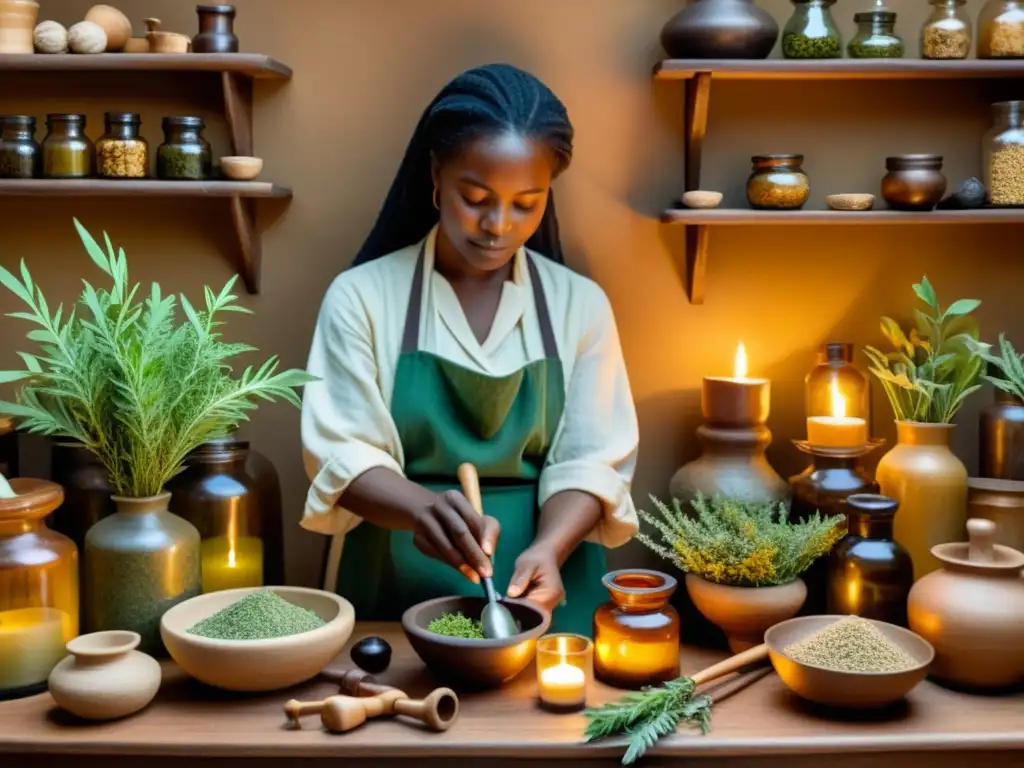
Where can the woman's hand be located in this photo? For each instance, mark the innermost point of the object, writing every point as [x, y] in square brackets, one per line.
[537, 577]
[450, 530]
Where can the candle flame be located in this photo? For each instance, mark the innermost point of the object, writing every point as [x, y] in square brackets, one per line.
[231, 558]
[838, 402]
[739, 365]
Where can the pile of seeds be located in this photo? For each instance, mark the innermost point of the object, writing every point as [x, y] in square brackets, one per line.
[850, 645]
[122, 159]
[258, 616]
[1007, 37]
[1006, 175]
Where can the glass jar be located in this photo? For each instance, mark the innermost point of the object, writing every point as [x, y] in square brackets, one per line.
[777, 182]
[67, 152]
[1004, 154]
[20, 154]
[38, 588]
[1001, 30]
[8, 449]
[876, 37]
[811, 33]
[185, 154]
[565, 667]
[946, 33]
[636, 634]
[120, 152]
[835, 374]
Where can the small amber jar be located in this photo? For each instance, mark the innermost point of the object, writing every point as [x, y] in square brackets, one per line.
[67, 152]
[184, 155]
[121, 153]
[777, 183]
[38, 588]
[20, 154]
[636, 634]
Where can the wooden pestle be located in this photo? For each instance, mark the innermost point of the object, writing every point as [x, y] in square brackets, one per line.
[733, 664]
[343, 713]
[438, 711]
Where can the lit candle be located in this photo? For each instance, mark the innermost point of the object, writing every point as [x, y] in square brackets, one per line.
[837, 430]
[32, 641]
[232, 563]
[736, 401]
[563, 685]
[563, 664]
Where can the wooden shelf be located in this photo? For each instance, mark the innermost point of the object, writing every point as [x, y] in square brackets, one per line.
[742, 216]
[838, 69]
[140, 188]
[251, 65]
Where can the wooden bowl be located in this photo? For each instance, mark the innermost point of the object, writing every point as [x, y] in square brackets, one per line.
[850, 202]
[474, 664]
[241, 168]
[699, 198]
[847, 690]
[257, 665]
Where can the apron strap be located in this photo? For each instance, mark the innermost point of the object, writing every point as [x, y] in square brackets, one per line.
[411, 334]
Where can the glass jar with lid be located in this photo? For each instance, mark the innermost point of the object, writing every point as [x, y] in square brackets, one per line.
[811, 32]
[38, 588]
[876, 36]
[121, 153]
[20, 154]
[1004, 154]
[777, 182]
[946, 33]
[184, 154]
[1001, 30]
[67, 152]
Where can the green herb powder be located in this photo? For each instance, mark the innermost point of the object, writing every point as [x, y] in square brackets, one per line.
[258, 616]
[457, 625]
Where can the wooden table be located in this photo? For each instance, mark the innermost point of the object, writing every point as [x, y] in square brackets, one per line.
[756, 722]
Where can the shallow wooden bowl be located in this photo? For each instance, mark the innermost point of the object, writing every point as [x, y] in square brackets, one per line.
[847, 690]
[850, 202]
[257, 665]
[474, 664]
[241, 168]
[699, 198]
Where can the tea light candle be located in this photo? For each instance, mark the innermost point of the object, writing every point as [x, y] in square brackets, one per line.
[31, 643]
[837, 430]
[230, 563]
[736, 401]
[564, 665]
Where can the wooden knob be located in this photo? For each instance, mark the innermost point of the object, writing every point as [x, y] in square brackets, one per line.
[438, 711]
[981, 534]
[470, 481]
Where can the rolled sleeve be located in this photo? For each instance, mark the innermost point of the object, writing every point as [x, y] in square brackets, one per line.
[595, 449]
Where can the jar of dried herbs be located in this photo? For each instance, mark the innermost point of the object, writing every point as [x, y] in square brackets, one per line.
[876, 37]
[811, 33]
[1001, 30]
[185, 154]
[778, 182]
[121, 153]
[20, 154]
[67, 152]
[947, 32]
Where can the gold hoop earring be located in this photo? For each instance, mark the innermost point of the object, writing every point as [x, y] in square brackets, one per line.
[437, 198]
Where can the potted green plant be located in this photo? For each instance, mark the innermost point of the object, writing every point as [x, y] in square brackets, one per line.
[927, 377]
[123, 377]
[742, 559]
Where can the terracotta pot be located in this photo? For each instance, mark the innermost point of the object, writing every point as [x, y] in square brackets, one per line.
[105, 677]
[720, 29]
[17, 22]
[972, 611]
[930, 484]
[745, 613]
[1002, 502]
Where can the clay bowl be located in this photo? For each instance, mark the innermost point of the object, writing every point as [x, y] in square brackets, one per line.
[241, 168]
[475, 664]
[850, 202]
[257, 665]
[846, 690]
[699, 198]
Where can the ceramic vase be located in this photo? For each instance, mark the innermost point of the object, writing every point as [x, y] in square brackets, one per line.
[720, 29]
[1002, 502]
[104, 677]
[930, 484]
[139, 562]
[744, 614]
[972, 611]
[17, 23]
[216, 32]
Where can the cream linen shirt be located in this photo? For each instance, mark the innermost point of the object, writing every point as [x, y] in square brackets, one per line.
[347, 427]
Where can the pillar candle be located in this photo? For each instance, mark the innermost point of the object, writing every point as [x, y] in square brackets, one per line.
[837, 430]
[736, 401]
[32, 641]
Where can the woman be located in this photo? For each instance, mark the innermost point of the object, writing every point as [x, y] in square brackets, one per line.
[458, 336]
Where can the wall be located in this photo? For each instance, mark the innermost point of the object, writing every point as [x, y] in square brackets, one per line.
[364, 70]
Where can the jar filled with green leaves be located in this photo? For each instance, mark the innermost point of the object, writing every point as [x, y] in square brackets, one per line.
[67, 152]
[811, 33]
[876, 36]
[121, 153]
[185, 154]
[20, 154]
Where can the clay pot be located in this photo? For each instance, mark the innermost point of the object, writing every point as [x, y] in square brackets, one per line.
[930, 484]
[216, 33]
[17, 22]
[1002, 502]
[972, 611]
[105, 678]
[745, 613]
[720, 29]
[913, 182]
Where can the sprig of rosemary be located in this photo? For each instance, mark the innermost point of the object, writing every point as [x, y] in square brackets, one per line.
[647, 715]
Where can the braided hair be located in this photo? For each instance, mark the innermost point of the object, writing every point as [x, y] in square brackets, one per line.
[478, 103]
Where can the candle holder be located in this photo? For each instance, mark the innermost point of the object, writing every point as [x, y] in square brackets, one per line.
[565, 667]
[835, 370]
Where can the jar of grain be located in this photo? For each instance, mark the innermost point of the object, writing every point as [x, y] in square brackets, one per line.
[121, 153]
[20, 154]
[876, 36]
[1004, 154]
[185, 154]
[1001, 30]
[67, 152]
[778, 182]
[947, 32]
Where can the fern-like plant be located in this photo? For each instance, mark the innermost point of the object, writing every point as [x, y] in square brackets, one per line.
[933, 369]
[1007, 362]
[119, 375]
[739, 543]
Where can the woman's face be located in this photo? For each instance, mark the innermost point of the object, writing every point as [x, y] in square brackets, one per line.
[492, 198]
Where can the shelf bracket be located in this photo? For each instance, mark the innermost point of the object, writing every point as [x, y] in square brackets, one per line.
[695, 117]
[238, 108]
[250, 255]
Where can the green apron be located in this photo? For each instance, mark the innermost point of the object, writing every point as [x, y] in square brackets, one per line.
[447, 415]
